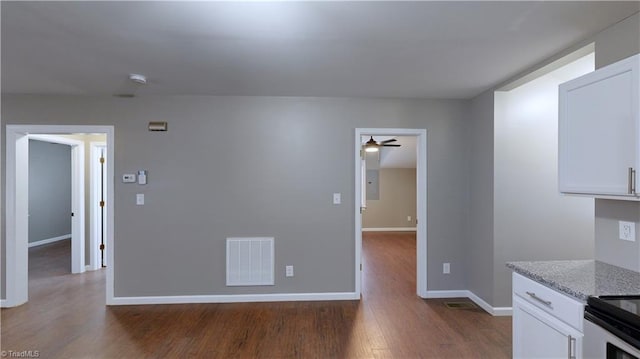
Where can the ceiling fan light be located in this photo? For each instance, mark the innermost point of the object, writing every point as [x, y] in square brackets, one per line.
[371, 145]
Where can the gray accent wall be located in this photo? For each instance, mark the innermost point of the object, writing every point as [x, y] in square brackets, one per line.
[49, 190]
[397, 200]
[209, 179]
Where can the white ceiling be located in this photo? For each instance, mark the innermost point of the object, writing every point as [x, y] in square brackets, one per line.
[354, 49]
[405, 156]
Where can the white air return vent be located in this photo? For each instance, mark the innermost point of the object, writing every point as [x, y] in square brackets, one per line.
[250, 261]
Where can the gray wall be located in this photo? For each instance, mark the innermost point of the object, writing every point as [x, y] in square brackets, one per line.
[49, 190]
[617, 42]
[207, 181]
[609, 248]
[516, 210]
[479, 253]
[397, 200]
[532, 220]
[613, 44]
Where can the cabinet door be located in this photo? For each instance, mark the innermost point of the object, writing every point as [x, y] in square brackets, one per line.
[537, 334]
[598, 131]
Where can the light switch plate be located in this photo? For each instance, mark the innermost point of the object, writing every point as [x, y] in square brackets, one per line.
[140, 199]
[627, 231]
[337, 198]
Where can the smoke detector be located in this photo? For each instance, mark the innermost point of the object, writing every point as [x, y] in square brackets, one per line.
[137, 78]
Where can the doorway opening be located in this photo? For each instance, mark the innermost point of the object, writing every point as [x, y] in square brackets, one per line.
[77, 190]
[420, 220]
[17, 203]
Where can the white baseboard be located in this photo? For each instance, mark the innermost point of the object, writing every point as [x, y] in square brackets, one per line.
[49, 240]
[495, 311]
[242, 298]
[390, 229]
[502, 311]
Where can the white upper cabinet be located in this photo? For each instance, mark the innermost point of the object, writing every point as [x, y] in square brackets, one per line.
[599, 131]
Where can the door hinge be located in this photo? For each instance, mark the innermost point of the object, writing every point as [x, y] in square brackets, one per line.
[360, 266]
[102, 247]
[101, 203]
[101, 159]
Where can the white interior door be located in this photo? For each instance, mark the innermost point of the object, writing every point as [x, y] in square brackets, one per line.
[98, 205]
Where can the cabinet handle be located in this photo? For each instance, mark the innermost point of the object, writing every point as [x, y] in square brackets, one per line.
[534, 296]
[572, 352]
[632, 181]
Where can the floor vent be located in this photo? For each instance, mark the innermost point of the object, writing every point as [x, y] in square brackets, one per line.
[460, 305]
[250, 261]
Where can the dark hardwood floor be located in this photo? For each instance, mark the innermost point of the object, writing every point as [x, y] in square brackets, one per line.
[66, 317]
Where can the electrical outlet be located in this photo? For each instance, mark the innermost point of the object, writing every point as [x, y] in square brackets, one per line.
[446, 268]
[627, 231]
[408, 218]
[289, 271]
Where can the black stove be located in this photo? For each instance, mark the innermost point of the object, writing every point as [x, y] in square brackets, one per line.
[620, 315]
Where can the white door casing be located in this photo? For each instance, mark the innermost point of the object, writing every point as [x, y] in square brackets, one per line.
[421, 200]
[17, 197]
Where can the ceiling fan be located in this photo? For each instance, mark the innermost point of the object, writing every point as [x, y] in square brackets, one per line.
[374, 146]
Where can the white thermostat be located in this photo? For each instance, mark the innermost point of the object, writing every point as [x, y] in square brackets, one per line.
[129, 178]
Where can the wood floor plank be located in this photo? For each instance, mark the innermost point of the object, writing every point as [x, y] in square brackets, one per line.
[66, 317]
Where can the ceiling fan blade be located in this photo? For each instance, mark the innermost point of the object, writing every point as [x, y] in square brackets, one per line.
[387, 141]
[391, 145]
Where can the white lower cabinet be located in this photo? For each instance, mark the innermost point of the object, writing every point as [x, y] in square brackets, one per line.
[537, 331]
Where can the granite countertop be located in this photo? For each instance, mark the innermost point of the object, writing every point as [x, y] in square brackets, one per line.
[581, 278]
